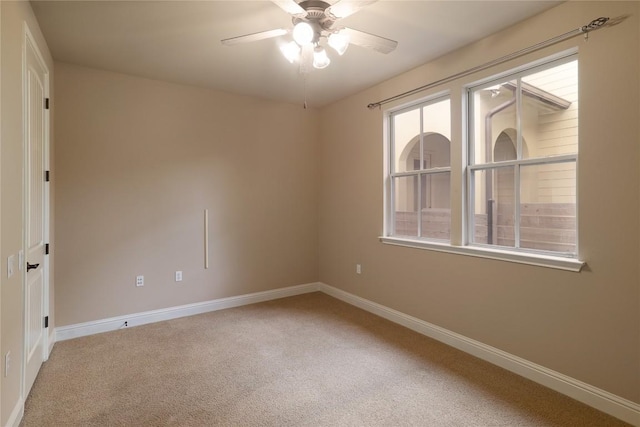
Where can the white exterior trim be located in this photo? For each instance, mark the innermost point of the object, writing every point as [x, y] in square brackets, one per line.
[136, 319]
[602, 400]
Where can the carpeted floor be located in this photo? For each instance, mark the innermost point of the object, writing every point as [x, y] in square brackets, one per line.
[308, 360]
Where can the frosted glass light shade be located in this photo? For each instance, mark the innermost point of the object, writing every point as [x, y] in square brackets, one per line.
[303, 33]
[291, 51]
[339, 42]
[320, 58]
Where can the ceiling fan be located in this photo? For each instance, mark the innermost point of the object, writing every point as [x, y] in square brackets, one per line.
[314, 27]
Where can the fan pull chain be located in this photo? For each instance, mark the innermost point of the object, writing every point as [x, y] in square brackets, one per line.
[304, 77]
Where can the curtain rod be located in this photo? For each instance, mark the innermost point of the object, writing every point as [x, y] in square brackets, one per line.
[596, 24]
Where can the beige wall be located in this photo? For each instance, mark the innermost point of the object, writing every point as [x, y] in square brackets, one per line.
[14, 14]
[138, 162]
[585, 325]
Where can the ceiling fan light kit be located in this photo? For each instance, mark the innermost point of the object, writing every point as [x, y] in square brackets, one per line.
[339, 42]
[291, 51]
[314, 28]
[303, 33]
[320, 58]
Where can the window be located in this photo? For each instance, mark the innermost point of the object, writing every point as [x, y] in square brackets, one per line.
[520, 178]
[523, 148]
[420, 170]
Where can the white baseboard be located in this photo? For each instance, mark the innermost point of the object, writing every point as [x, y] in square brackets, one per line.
[51, 341]
[111, 324]
[16, 415]
[602, 400]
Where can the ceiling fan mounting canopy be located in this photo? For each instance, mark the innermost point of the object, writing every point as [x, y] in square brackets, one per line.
[316, 11]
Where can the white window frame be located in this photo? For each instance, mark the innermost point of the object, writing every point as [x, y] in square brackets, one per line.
[390, 167]
[568, 262]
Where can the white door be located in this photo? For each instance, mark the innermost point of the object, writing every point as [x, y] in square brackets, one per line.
[35, 93]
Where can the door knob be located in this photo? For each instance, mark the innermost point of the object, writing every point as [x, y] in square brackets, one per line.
[31, 266]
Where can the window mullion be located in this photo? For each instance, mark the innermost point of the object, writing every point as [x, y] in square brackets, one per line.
[421, 166]
[516, 219]
[564, 158]
[519, 119]
[419, 206]
[519, 154]
[425, 172]
[392, 144]
[391, 225]
[470, 207]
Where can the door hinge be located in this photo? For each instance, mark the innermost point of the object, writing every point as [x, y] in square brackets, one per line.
[46, 103]
[47, 176]
[46, 249]
[46, 321]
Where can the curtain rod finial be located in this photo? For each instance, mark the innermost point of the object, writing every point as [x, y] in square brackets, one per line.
[594, 25]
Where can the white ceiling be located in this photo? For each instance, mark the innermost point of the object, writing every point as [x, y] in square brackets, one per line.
[179, 41]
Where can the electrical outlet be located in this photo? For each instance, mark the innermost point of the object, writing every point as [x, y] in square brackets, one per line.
[358, 269]
[178, 276]
[7, 363]
[139, 280]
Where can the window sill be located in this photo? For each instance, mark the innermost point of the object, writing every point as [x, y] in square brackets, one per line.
[560, 263]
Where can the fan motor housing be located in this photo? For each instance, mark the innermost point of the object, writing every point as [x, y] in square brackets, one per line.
[316, 13]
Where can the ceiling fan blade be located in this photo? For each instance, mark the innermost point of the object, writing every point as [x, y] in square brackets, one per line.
[254, 37]
[291, 7]
[371, 41]
[306, 59]
[343, 8]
